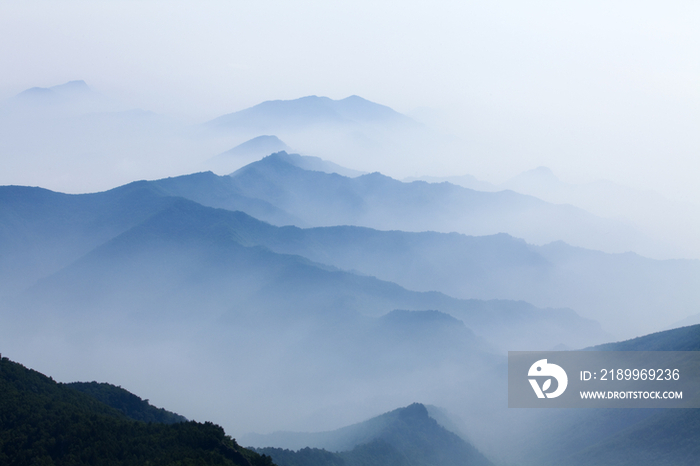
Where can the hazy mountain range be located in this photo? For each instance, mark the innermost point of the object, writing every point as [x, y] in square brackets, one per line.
[292, 293]
[261, 146]
[377, 201]
[466, 267]
[177, 282]
[73, 139]
[86, 423]
[80, 423]
[45, 231]
[670, 224]
[550, 437]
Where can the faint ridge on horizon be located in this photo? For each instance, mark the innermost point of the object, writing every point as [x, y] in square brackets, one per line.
[310, 110]
[77, 85]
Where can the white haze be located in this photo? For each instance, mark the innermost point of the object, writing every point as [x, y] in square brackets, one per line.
[597, 90]
[591, 90]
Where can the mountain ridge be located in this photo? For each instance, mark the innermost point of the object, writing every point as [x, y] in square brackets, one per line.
[307, 111]
[45, 422]
[415, 438]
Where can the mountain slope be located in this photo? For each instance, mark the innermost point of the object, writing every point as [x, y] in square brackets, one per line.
[611, 437]
[406, 436]
[218, 191]
[381, 202]
[307, 162]
[43, 422]
[678, 339]
[223, 248]
[69, 99]
[606, 287]
[186, 286]
[42, 231]
[309, 111]
[673, 224]
[665, 436]
[352, 132]
[127, 403]
[244, 153]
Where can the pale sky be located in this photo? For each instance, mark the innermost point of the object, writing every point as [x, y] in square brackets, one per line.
[594, 89]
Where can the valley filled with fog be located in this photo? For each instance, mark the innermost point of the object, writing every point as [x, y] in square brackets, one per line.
[261, 271]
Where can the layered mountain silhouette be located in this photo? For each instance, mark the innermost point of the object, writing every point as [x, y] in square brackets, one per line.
[277, 190]
[353, 132]
[317, 164]
[261, 146]
[153, 271]
[405, 436]
[298, 294]
[670, 225]
[377, 201]
[244, 153]
[229, 255]
[45, 231]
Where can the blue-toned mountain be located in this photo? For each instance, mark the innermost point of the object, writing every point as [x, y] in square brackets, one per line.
[403, 437]
[273, 115]
[189, 284]
[378, 201]
[610, 288]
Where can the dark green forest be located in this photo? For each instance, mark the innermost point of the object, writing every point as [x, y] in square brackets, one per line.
[43, 422]
[377, 452]
[127, 403]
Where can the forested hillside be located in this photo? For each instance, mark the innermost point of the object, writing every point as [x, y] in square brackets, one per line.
[43, 422]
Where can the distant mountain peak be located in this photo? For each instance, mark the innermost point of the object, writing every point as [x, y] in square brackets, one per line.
[540, 176]
[391, 438]
[414, 410]
[266, 143]
[304, 162]
[279, 156]
[264, 139]
[540, 172]
[312, 110]
[77, 85]
[71, 87]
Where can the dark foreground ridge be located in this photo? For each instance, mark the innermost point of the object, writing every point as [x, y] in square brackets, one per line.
[43, 422]
[127, 403]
